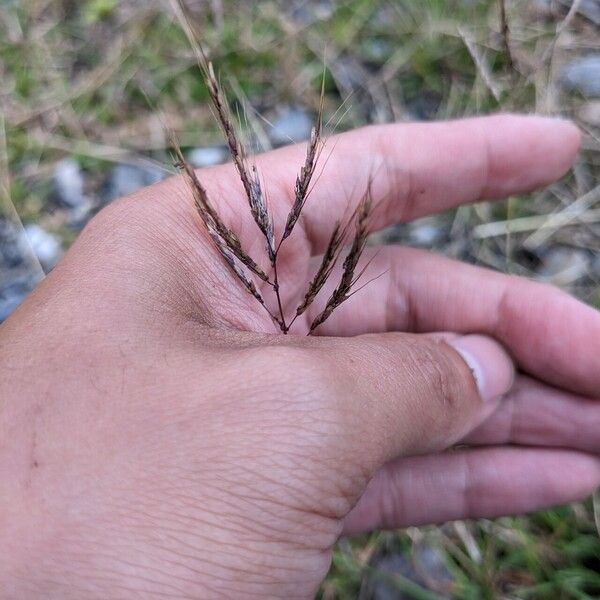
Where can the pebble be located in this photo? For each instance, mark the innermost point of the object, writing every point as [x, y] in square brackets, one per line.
[307, 13]
[590, 112]
[125, 179]
[78, 216]
[292, 124]
[13, 292]
[588, 8]
[427, 562]
[583, 76]
[69, 183]
[596, 265]
[376, 50]
[430, 561]
[425, 234]
[69, 190]
[208, 156]
[19, 271]
[591, 10]
[423, 108]
[45, 246]
[12, 250]
[563, 265]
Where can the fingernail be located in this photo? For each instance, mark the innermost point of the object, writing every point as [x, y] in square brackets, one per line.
[492, 367]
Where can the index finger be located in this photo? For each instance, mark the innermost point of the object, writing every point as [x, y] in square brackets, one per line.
[423, 168]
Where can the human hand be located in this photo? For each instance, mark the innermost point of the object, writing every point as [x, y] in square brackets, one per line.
[159, 440]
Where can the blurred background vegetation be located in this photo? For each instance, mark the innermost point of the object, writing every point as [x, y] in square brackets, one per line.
[84, 85]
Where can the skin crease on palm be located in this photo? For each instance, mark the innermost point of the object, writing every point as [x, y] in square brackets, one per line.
[158, 440]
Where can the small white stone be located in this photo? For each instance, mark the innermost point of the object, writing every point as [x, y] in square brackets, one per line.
[46, 246]
[69, 182]
[563, 266]
[583, 76]
[207, 156]
[293, 124]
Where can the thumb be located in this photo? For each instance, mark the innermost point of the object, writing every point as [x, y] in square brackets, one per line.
[405, 394]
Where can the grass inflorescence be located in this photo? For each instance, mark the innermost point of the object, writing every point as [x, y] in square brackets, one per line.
[228, 243]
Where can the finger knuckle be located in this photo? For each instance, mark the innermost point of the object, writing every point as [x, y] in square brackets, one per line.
[445, 377]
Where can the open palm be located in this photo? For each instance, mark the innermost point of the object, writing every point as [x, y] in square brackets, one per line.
[191, 450]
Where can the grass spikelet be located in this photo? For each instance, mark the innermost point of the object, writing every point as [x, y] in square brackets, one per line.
[211, 218]
[230, 258]
[349, 279]
[303, 181]
[249, 178]
[326, 267]
[301, 188]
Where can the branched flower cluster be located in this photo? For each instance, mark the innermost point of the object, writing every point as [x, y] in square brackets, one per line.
[227, 242]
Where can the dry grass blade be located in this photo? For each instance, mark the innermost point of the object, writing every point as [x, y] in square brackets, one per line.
[482, 66]
[349, 277]
[327, 264]
[211, 218]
